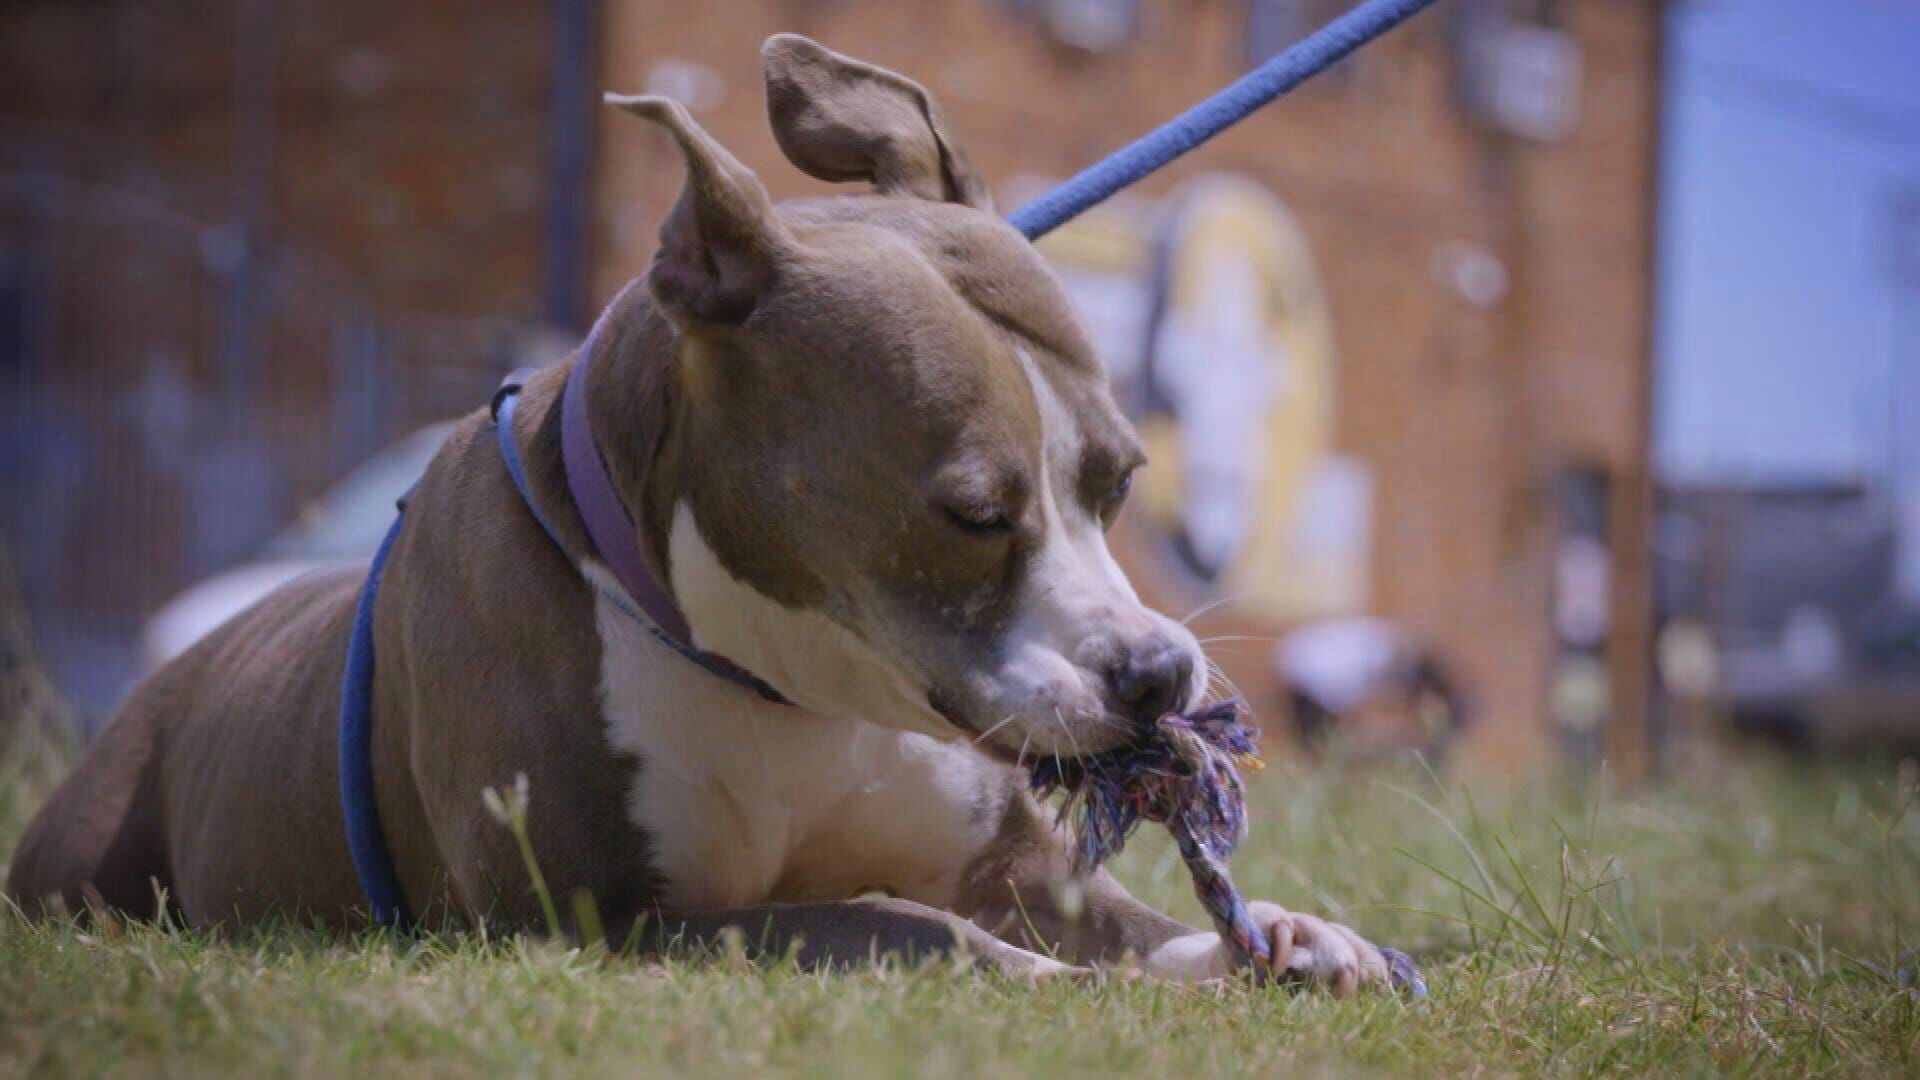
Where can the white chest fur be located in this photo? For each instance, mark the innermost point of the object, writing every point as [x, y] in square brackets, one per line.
[750, 802]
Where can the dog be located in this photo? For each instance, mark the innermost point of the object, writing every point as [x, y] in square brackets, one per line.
[867, 447]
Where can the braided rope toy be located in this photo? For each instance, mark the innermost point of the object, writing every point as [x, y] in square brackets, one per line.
[1184, 774]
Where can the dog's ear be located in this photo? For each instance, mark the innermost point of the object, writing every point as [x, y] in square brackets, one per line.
[840, 119]
[720, 244]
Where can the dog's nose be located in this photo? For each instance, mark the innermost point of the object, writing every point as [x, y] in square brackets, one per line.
[1152, 681]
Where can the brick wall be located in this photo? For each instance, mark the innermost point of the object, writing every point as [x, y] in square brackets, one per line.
[403, 143]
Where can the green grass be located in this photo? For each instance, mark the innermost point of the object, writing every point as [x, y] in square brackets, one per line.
[1748, 917]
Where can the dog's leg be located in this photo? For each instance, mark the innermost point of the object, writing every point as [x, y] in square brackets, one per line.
[99, 841]
[1021, 889]
[840, 934]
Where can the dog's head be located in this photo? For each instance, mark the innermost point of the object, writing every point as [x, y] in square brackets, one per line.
[896, 455]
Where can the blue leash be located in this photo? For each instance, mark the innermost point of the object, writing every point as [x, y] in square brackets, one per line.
[1332, 43]
[1128, 165]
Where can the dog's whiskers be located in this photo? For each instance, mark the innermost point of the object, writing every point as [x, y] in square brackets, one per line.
[1067, 730]
[1095, 762]
[1215, 671]
[1061, 723]
[983, 736]
[1203, 609]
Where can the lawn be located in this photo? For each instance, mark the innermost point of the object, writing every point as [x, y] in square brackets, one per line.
[1748, 916]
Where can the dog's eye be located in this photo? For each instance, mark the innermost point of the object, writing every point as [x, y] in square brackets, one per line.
[982, 520]
[1116, 497]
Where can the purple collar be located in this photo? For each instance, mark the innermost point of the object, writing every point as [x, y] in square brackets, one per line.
[611, 531]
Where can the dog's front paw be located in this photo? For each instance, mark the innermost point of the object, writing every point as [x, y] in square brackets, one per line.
[1321, 953]
[1308, 949]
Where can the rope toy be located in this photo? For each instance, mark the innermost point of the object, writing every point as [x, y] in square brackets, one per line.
[1185, 774]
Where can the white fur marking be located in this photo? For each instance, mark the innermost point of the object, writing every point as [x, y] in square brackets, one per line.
[1191, 958]
[1077, 593]
[808, 657]
[750, 802]
[1322, 951]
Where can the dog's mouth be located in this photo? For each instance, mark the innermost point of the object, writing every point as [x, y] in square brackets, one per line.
[995, 749]
[1009, 743]
[984, 740]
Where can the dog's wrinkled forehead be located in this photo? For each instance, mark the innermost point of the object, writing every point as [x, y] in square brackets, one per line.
[950, 308]
[984, 261]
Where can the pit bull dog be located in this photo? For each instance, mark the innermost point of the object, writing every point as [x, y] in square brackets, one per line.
[866, 447]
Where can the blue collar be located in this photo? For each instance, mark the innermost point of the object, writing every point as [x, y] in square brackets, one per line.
[610, 529]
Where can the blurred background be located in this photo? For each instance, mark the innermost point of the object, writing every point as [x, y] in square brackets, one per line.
[1544, 379]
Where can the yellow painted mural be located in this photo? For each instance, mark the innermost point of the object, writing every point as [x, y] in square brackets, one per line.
[1209, 311]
